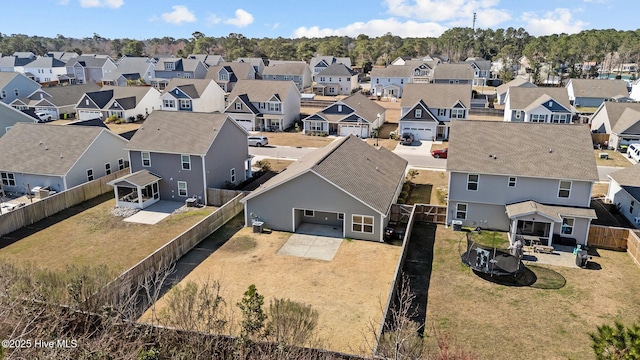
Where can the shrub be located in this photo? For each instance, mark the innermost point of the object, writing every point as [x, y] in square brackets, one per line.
[139, 117]
[404, 194]
[264, 165]
[405, 187]
[401, 201]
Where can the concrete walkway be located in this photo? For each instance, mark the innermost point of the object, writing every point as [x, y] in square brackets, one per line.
[313, 241]
[155, 213]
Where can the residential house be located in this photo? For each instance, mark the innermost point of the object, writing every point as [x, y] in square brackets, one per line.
[347, 185]
[57, 101]
[590, 93]
[46, 69]
[336, 79]
[179, 156]
[139, 69]
[621, 120]
[122, 102]
[10, 116]
[390, 81]
[355, 115]
[16, 62]
[299, 73]
[280, 62]
[14, 85]
[501, 91]
[59, 157]
[264, 104]
[539, 104]
[62, 55]
[199, 95]
[536, 180]
[207, 60]
[454, 74]
[427, 110]
[90, 69]
[634, 94]
[227, 74]
[257, 63]
[169, 68]
[481, 70]
[624, 192]
[319, 63]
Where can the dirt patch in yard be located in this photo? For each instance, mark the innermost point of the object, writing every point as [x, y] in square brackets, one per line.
[498, 321]
[347, 291]
[439, 182]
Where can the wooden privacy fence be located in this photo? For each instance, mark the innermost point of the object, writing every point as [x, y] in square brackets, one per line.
[633, 245]
[423, 212]
[219, 197]
[132, 279]
[606, 237]
[34, 212]
[599, 138]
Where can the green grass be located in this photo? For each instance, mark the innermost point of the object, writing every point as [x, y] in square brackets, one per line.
[497, 239]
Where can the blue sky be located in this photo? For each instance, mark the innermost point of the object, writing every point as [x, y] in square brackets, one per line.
[143, 19]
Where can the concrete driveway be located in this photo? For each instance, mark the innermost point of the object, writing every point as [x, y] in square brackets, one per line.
[419, 155]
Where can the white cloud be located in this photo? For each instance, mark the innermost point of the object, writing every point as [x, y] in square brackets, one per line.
[457, 11]
[180, 14]
[114, 4]
[376, 27]
[213, 19]
[275, 26]
[242, 19]
[557, 21]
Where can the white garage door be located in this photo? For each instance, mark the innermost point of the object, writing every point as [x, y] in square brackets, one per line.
[246, 124]
[418, 132]
[361, 131]
[88, 115]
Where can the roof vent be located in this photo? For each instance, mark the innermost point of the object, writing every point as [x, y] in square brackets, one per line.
[550, 151]
[46, 148]
[40, 142]
[494, 157]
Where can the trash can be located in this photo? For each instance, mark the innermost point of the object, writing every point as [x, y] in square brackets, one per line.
[457, 225]
[582, 257]
[258, 226]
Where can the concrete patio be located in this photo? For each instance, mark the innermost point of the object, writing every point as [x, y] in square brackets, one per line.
[155, 213]
[313, 241]
[561, 256]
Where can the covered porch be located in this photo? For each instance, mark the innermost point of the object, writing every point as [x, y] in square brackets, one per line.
[137, 191]
[270, 122]
[540, 224]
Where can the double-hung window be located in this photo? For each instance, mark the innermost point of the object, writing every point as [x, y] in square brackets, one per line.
[564, 189]
[512, 181]
[461, 211]
[146, 159]
[182, 188]
[567, 226]
[89, 174]
[472, 182]
[186, 162]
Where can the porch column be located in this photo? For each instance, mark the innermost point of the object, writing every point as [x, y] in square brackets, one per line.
[512, 232]
[139, 190]
[550, 234]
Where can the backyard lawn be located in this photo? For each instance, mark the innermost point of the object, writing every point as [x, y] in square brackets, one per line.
[615, 158]
[349, 292]
[96, 237]
[550, 319]
[430, 188]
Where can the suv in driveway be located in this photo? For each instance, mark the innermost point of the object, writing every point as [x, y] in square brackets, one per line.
[406, 139]
[43, 117]
[258, 141]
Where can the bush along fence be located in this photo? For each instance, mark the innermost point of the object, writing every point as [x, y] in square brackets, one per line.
[139, 276]
[36, 211]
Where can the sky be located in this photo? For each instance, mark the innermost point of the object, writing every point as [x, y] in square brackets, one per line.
[144, 19]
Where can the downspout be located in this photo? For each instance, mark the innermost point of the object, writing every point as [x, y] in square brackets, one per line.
[204, 179]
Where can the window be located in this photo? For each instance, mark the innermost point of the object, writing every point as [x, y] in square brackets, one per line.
[186, 162]
[461, 211]
[472, 182]
[238, 106]
[442, 112]
[107, 168]
[454, 81]
[274, 106]
[16, 92]
[538, 118]
[169, 103]
[223, 76]
[8, 179]
[457, 113]
[567, 226]
[377, 81]
[168, 66]
[182, 188]
[362, 223]
[518, 114]
[418, 113]
[559, 118]
[315, 126]
[309, 213]
[564, 189]
[121, 164]
[185, 104]
[4, 94]
[232, 175]
[89, 174]
[401, 81]
[321, 79]
[339, 79]
[631, 207]
[187, 75]
[512, 181]
[339, 108]
[146, 159]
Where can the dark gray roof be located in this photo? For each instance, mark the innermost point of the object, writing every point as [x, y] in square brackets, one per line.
[70, 94]
[453, 71]
[438, 96]
[88, 61]
[554, 212]
[286, 69]
[44, 148]
[46, 62]
[178, 133]
[192, 87]
[404, 71]
[263, 90]
[364, 107]
[522, 97]
[370, 175]
[598, 88]
[101, 97]
[522, 149]
[91, 122]
[337, 69]
[128, 96]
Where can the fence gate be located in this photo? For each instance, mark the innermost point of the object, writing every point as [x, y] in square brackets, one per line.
[608, 237]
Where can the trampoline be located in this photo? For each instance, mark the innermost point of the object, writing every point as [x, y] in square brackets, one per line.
[490, 260]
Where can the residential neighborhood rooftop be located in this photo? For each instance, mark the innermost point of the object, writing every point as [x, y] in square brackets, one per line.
[437, 95]
[598, 88]
[262, 90]
[522, 97]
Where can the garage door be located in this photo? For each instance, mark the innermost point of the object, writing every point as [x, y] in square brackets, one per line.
[246, 124]
[346, 130]
[418, 132]
[88, 115]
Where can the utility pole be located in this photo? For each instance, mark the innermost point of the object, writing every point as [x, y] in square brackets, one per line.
[474, 23]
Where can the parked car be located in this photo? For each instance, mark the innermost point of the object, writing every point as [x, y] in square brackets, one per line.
[258, 141]
[442, 153]
[633, 151]
[43, 117]
[406, 139]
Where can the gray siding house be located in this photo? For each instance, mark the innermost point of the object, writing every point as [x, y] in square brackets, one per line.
[299, 73]
[538, 104]
[347, 185]
[535, 181]
[59, 157]
[10, 116]
[624, 191]
[169, 68]
[177, 156]
[453, 74]
[90, 68]
[621, 120]
[57, 101]
[590, 93]
[14, 85]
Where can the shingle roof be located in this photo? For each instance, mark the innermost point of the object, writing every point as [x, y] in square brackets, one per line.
[240, 69]
[628, 118]
[438, 96]
[286, 69]
[521, 97]
[370, 175]
[517, 82]
[178, 133]
[46, 62]
[453, 71]
[6, 77]
[88, 61]
[140, 178]
[69, 95]
[614, 111]
[44, 148]
[551, 211]
[130, 93]
[364, 107]
[192, 87]
[629, 176]
[522, 149]
[404, 71]
[337, 69]
[263, 90]
[598, 88]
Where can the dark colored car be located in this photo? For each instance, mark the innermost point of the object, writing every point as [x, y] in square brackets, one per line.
[442, 153]
[406, 139]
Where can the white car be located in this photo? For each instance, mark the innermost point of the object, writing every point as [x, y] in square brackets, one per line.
[43, 117]
[258, 141]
